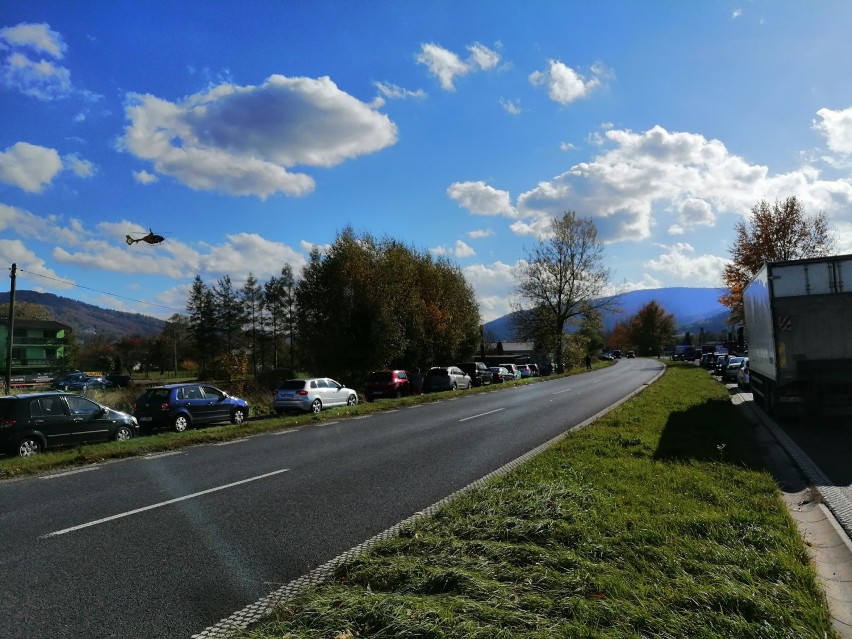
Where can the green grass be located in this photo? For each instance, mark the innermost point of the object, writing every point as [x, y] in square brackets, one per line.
[656, 521]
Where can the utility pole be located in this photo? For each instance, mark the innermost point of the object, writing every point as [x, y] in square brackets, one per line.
[11, 331]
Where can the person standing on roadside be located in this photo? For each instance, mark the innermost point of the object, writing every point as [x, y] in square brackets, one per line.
[588, 363]
[416, 382]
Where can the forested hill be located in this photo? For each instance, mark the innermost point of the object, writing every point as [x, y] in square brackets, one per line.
[89, 320]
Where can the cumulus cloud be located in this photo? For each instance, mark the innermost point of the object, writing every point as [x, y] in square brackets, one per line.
[246, 253]
[655, 173]
[31, 266]
[143, 177]
[494, 285]
[40, 78]
[459, 249]
[29, 167]
[242, 140]
[480, 233]
[836, 126]
[512, 107]
[481, 199]
[680, 261]
[447, 66]
[566, 85]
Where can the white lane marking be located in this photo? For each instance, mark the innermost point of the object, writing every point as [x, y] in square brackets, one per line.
[327, 423]
[68, 472]
[231, 441]
[563, 391]
[358, 417]
[285, 432]
[482, 414]
[161, 504]
[392, 410]
[168, 454]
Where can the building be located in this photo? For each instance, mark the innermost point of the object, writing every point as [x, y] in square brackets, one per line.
[38, 349]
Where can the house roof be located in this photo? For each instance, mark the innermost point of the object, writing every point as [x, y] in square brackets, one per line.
[48, 324]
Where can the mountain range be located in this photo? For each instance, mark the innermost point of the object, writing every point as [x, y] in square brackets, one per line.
[90, 321]
[693, 309]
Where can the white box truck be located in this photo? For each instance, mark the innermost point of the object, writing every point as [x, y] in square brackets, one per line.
[798, 325]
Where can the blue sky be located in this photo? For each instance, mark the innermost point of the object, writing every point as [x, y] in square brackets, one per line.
[248, 133]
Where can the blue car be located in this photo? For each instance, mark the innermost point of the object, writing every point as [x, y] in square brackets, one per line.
[181, 406]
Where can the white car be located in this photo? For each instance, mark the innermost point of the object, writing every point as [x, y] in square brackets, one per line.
[512, 369]
[312, 395]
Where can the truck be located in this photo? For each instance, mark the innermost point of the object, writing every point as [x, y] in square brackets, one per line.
[798, 321]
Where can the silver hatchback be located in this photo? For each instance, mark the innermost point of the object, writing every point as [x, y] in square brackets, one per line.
[311, 395]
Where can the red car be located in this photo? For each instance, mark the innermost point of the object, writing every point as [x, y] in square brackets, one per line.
[393, 383]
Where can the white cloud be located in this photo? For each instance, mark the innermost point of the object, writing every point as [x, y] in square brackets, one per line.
[246, 253]
[736, 13]
[680, 262]
[836, 126]
[481, 199]
[242, 140]
[459, 249]
[39, 37]
[480, 233]
[42, 79]
[78, 166]
[626, 188]
[564, 84]
[447, 66]
[32, 266]
[494, 285]
[511, 107]
[567, 146]
[394, 92]
[29, 167]
[143, 177]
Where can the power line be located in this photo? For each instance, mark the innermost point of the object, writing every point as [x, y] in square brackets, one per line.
[130, 299]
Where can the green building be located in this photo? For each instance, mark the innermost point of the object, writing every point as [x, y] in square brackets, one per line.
[38, 349]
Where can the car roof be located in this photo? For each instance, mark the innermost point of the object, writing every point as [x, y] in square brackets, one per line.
[31, 395]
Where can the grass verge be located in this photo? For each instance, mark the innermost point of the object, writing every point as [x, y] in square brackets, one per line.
[656, 521]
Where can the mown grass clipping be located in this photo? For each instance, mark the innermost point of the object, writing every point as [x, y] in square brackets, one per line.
[656, 521]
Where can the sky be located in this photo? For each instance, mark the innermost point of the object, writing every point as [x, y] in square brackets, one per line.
[248, 133]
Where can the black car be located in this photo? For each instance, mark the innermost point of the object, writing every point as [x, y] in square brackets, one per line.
[478, 372]
[33, 422]
[179, 406]
[119, 379]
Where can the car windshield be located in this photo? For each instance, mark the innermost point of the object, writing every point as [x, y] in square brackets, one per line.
[155, 395]
[292, 384]
[438, 372]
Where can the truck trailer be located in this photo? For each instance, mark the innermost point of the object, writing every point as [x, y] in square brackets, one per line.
[798, 322]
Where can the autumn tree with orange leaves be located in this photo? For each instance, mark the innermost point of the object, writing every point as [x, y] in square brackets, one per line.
[773, 232]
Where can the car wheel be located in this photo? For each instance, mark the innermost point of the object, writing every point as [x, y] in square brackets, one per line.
[28, 447]
[352, 400]
[123, 433]
[181, 423]
[455, 386]
[238, 417]
[316, 406]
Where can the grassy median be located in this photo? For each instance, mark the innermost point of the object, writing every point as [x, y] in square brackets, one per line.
[656, 521]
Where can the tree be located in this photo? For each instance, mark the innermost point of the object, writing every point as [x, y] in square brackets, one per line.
[229, 312]
[27, 311]
[781, 231]
[279, 304]
[561, 281]
[251, 298]
[202, 324]
[651, 328]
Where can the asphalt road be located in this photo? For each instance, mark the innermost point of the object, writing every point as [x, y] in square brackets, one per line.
[164, 546]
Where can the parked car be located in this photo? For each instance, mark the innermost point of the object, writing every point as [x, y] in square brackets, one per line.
[119, 379]
[478, 373]
[89, 383]
[535, 370]
[311, 395]
[33, 422]
[180, 406]
[733, 367]
[501, 374]
[512, 368]
[631, 355]
[616, 354]
[720, 365]
[393, 383]
[61, 383]
[445, 378]
[744, 376]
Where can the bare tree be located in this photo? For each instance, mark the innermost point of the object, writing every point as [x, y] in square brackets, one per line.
[562, 281]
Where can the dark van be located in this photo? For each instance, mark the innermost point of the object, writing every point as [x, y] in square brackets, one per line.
[479, 373]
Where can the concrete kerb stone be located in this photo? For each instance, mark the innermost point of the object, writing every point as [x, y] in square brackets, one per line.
[261, 609]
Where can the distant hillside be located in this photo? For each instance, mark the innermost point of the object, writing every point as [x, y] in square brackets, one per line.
[693, 308]
[88, 320]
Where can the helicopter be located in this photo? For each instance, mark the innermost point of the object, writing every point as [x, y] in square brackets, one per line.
[151, 238]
